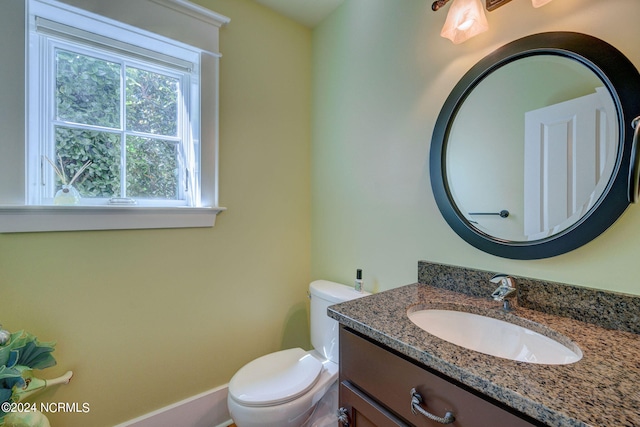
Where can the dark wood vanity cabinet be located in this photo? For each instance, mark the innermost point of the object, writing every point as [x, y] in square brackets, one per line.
[376, 385]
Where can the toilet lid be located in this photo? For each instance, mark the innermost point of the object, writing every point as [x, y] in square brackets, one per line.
[275, 378]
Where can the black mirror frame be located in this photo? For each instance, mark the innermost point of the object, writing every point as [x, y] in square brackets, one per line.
[621, 79]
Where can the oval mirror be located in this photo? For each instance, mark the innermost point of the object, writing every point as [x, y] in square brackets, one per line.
[531, 155]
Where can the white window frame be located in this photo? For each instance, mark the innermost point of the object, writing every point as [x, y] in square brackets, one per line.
[41, 176]
[34, 215]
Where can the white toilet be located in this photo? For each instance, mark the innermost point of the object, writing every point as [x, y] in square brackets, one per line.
[285, 388]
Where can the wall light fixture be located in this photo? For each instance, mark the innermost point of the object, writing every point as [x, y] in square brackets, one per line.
[466, 18]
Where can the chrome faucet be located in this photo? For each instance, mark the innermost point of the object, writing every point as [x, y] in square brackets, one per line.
[507, 287]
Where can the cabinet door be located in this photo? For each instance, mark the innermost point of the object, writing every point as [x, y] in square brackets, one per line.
[364, 412]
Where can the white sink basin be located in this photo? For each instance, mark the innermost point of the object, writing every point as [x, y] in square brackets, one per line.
[494, 337]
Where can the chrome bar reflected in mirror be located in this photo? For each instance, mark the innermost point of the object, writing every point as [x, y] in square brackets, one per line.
[502, 214]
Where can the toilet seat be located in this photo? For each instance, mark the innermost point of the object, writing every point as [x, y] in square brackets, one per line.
[276, 378]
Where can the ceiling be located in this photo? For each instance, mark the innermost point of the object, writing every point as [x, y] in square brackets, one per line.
[307, 12]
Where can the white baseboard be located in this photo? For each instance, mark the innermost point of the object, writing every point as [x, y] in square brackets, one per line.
[207, 409]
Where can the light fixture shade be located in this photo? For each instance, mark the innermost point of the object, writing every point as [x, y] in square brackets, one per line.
[538, 3]
[465, 19]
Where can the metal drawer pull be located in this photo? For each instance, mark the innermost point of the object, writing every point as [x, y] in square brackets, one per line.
[343, 417]
[416, 400]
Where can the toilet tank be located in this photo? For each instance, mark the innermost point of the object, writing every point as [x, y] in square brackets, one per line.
[324, 330]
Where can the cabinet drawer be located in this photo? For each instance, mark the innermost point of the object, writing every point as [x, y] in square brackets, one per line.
[388, 379]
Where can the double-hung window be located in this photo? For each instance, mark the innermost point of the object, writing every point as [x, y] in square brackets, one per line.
[130, 120]
[128, 112]
[113, 123]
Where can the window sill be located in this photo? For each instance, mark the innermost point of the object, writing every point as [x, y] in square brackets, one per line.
[17, 219]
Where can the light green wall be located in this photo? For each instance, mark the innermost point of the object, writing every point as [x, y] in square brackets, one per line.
[381, 75]
[147, 318]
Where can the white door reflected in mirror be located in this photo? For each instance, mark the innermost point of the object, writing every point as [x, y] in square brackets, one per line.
[569, 148]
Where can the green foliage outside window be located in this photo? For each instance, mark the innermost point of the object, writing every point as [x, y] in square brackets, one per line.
[90, 110]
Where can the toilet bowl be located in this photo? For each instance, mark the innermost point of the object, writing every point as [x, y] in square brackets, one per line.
[285, 388]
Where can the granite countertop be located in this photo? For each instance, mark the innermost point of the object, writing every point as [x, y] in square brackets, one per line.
[602, 389]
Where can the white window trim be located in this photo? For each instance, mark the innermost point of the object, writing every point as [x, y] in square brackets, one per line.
[29, 218]
[74, 218]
